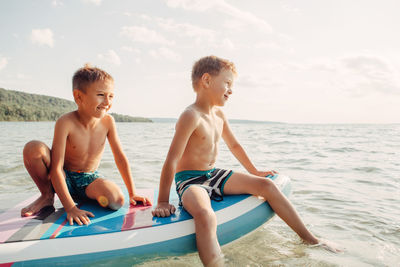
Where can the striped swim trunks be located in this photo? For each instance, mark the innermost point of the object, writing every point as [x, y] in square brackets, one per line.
[213, 181]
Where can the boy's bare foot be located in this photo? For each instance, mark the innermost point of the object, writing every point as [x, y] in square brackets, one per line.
[37, 205]
[328, 245]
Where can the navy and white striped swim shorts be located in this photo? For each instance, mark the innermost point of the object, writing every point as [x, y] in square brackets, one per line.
[213, 181]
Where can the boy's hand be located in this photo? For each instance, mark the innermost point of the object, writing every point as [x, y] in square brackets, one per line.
[163, 209]
[266, 173]
[135, 198]
[79, 216]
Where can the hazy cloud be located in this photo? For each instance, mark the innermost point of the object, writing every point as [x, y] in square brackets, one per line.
[95, 2]
[241, 17]
[228, 44]
[252, 81]
[111, 57]
[324, 65]
[57, 3]
[3, 62]
[198, 34]
[360, 75]
[199, 5]
[166, 53]
[131, 49]
[42, 37]
[369, 66]
[291, 9]
[244, 16]
[181, 29]
[374, 73]
[185, 28]
[144, 35]
[21, 76]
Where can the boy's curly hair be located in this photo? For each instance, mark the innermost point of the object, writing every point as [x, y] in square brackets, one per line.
[211, 65]
[87, 75]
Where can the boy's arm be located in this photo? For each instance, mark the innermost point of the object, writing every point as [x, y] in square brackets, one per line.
[57, 175]
[122, 163]
[238, 151]
[184, 128]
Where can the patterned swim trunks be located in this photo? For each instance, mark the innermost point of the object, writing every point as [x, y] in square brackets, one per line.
[78, 181]
[213, 181]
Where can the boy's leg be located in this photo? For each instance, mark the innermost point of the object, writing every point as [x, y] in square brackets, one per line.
[37, 163]
[241, 183]
[197, 202]
[107, 193]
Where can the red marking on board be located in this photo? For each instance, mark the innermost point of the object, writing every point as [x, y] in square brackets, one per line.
[129, 219]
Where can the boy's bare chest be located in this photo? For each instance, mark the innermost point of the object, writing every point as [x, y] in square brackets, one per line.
[86, 141]
[210, 130]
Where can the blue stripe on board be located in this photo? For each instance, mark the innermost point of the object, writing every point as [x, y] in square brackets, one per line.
[54, 226]
[105, 221]
[108, 221]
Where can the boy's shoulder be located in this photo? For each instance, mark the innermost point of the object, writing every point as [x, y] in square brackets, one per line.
[189, 117]
[67, 117]
[191, 113]
[221, 115]
[218, 111]
[66, 123]
[108, 120]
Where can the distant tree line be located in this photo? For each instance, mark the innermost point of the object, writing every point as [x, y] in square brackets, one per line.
[21, 106]
[126, 118]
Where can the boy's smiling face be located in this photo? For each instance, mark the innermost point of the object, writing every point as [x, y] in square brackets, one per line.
[221, 87]
[97, 99]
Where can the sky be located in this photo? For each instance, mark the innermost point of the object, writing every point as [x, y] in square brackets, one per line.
[313, 61]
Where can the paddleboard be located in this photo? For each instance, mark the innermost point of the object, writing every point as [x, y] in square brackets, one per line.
[130, 232]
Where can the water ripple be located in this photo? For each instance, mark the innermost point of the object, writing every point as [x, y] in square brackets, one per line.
[368, 169]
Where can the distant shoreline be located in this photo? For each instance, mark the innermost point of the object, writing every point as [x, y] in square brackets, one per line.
[173, 120]
[22, 106]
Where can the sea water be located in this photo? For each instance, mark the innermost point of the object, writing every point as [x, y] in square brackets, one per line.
[345, 180]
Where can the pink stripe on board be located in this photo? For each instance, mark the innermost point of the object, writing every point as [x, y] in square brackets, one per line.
[146, 221]
[6, 264]
[11, 220]
[54, 235]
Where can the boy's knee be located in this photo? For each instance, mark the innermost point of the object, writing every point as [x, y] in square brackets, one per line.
[205, 216]
[107, 193]
[119, 201]
[35, 149]
[268, 187]
[116, 201]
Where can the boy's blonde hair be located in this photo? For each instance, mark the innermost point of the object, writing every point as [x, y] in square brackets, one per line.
[211, 65]
[88, 75]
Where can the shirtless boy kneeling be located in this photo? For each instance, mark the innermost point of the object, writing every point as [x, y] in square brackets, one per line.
[70, 167]
[192, 156]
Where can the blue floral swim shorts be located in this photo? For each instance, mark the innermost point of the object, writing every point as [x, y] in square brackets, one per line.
[78, 181]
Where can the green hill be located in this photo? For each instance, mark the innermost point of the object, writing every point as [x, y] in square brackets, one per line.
[21, 106]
